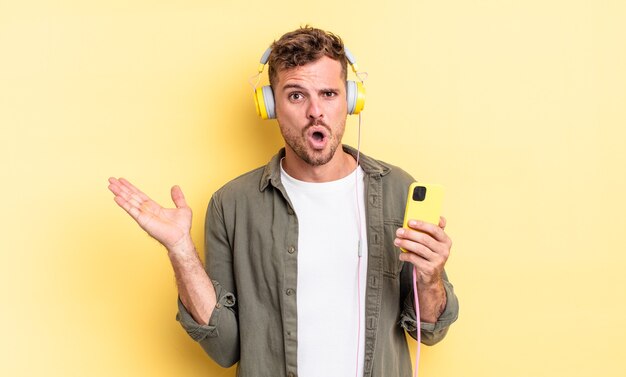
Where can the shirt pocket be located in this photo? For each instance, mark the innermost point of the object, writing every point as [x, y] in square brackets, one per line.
[391, 264]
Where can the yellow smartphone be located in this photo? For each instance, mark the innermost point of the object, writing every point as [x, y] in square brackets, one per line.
[423, 203]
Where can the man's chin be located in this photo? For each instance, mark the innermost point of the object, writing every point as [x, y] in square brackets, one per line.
[317, 158]
[314, 157]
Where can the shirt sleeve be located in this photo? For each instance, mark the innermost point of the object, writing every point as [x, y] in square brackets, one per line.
[432, 333]
[220, 337]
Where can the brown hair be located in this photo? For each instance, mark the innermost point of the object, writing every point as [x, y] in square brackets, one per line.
[303, 46]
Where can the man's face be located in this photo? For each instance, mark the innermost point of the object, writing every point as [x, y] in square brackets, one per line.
[311, 109]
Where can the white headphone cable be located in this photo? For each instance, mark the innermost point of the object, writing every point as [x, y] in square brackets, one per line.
[359, 251]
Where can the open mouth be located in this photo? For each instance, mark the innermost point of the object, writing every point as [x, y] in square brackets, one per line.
[318, 136]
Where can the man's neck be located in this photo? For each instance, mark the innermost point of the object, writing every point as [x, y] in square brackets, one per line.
[340, 166]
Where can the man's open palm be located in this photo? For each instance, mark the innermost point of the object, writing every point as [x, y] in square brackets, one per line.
[167, 225]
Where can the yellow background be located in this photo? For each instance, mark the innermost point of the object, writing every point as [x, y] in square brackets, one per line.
[517, 107]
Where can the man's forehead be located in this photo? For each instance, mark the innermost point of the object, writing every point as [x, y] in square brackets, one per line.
[324, 71]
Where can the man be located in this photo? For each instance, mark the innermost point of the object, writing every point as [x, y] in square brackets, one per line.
[304, 273]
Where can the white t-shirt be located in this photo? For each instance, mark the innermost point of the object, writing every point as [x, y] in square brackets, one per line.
[328, 264]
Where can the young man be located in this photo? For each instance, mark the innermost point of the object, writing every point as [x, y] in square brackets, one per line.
[304, 273]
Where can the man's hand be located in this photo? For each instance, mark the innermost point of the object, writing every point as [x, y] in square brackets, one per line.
[170, 226]
[428, 248]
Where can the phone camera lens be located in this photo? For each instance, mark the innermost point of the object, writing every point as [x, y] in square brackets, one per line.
[419, 193]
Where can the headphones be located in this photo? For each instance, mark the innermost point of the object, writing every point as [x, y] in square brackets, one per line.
[264, 97]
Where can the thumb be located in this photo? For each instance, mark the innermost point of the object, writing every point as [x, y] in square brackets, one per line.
[178, 197]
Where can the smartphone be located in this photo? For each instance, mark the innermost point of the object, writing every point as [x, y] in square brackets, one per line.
[423, 203]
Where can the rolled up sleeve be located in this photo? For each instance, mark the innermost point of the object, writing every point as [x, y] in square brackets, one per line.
[220, 337]
[432, 333]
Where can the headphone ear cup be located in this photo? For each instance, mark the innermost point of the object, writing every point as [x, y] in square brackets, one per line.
[264, 101]
[355, 93]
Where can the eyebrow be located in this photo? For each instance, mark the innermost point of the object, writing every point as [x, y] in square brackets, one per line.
[293, 86]
[298, 86]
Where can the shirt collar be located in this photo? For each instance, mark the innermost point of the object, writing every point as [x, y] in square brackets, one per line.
[370, 166]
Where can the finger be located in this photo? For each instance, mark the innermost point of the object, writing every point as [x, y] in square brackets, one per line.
[114, 186]
[427, 271]
[119, 188]
[178, 197]
[124, 193]
[434, 230]
[131, 188]
[442, 222]
[412, 247]
[415, 259]
[421, 238]
[132, 210]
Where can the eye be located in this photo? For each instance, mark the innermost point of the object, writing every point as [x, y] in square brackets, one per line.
[330, 94]
[295, 96]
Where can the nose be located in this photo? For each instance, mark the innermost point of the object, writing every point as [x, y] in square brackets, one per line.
[314, 110]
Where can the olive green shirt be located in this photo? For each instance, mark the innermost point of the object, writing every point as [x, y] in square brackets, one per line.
[252, 258]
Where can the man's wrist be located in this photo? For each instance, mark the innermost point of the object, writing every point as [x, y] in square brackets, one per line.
[433, 300]
[183, 247]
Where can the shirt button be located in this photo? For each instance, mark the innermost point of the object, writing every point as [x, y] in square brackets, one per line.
[289, 291]
[291, 250]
